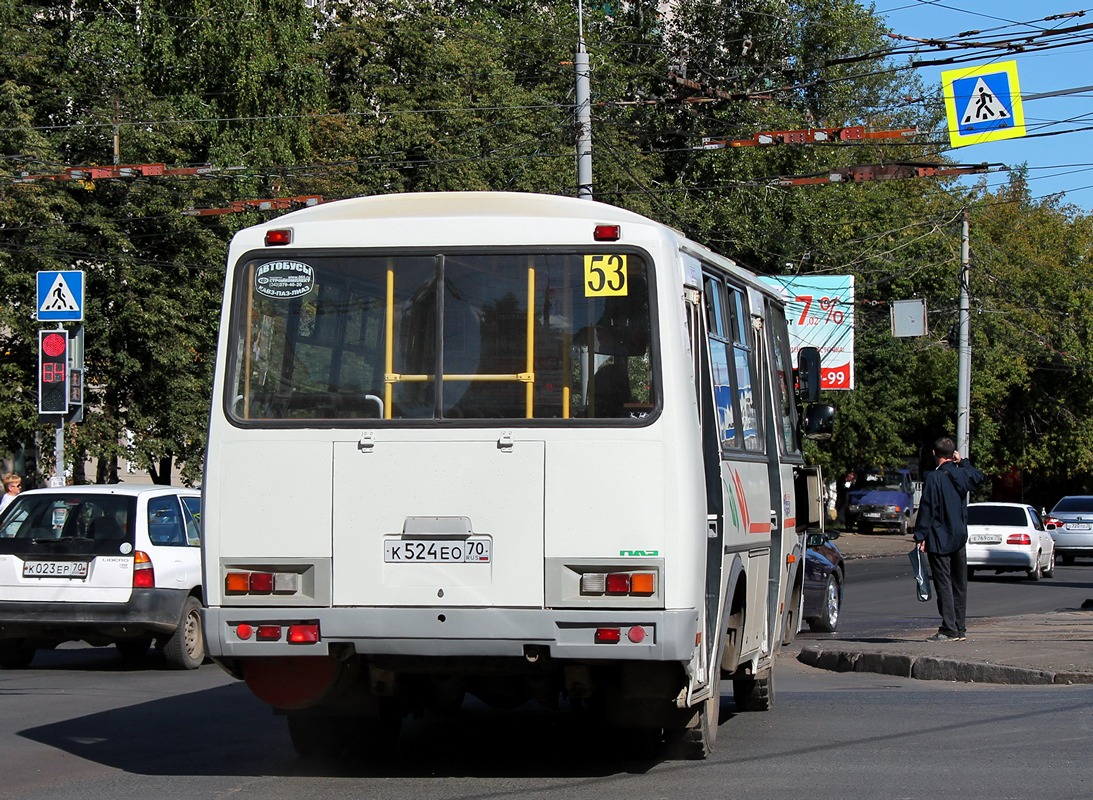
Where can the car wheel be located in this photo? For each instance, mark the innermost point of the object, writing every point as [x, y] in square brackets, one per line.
[1049, 570]
[1067, 558]
[186, 647]
[971, 572]
[1037, 570]
[903, 526]
[15, 654]
[828, 619]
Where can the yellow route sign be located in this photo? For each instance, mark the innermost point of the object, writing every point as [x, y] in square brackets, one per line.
[983, 103]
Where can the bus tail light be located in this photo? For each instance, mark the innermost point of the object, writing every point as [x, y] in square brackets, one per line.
[294, 633]
[268, 633]
[619, 584]
[608, 635]
[607, 233]
[144, 575]
[261, 583]
[303, 633]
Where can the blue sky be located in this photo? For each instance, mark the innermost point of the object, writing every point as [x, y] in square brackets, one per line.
[1057, 163]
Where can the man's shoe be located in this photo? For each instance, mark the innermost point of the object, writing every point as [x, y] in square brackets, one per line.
[941, 637]
[960, 637]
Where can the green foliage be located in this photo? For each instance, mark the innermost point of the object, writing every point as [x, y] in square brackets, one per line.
[353, 97]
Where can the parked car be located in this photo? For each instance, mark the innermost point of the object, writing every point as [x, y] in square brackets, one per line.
[825, 574]
[881, 500]
[1009, 537]
[1073, 531]
[106, 565]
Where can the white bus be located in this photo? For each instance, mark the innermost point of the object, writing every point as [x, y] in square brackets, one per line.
[519, 446]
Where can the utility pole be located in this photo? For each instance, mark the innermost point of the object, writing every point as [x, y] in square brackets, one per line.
[964, 362]
[584, 113]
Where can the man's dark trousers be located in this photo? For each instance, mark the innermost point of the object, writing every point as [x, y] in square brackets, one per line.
[950, 573]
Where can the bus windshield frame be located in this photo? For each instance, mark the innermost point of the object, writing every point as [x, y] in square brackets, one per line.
[542, 335]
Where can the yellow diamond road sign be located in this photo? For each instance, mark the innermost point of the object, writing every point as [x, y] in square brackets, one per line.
[983, 104]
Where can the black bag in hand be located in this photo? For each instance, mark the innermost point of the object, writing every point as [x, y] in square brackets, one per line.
[922, 576]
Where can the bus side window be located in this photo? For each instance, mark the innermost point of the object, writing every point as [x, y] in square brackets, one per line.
[718, 321]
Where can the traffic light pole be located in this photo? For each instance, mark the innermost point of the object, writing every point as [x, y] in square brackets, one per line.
[964, 355]
[58, 479]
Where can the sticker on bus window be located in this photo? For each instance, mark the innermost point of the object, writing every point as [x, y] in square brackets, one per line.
[284, 280]
[605, 276]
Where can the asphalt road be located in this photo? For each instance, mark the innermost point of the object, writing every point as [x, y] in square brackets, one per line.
[81, 724]
[879, 596]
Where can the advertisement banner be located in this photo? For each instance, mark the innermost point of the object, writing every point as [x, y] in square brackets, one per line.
[820, 312]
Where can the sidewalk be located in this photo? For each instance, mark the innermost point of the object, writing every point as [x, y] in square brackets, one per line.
[1054, 648]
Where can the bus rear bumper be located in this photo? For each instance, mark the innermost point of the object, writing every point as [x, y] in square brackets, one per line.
[646, 635]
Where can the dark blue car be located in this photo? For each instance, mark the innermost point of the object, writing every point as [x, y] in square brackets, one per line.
[823, 585]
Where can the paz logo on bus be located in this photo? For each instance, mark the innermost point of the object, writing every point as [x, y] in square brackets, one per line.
[639, 552]
[284, 279]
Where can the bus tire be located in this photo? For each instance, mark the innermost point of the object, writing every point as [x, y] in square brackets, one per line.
[318, 736]
[754, 694]
[791, 622]
[695, 742]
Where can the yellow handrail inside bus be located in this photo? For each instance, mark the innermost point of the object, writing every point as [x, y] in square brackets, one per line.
[389, 355]
[390, 377]
[530, 382]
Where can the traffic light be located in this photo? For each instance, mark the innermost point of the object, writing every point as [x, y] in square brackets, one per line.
[53, 372]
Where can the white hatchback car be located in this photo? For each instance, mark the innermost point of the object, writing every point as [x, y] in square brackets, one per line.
[106, 565]
[1009, 537]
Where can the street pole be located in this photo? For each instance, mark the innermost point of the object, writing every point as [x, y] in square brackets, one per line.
[59, 454]
[584, 114]
[964, 361]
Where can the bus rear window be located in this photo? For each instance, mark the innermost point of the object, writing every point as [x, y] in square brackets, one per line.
[513, 335]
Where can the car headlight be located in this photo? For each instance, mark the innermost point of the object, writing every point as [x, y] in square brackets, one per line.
[892, 509]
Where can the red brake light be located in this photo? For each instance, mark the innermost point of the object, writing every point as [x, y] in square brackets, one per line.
[303, 634]
[269, 633]
[261, 582]
[608, 635]
[618, 583]
[1019, 538]
[607, 233]
[144, 576]
[280, 236]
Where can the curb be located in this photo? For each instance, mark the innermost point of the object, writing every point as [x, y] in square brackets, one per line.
[929, 668]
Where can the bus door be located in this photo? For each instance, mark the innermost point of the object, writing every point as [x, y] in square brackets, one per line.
[785, 456]
[746, 515]
[711, 460]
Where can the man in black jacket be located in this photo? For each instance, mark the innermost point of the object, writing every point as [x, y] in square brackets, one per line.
[941, 530]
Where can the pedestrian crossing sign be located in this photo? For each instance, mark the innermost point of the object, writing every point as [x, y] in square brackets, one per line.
[983, 103]
[60, 296]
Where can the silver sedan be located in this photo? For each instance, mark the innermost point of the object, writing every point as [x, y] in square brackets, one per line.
[1073, 534]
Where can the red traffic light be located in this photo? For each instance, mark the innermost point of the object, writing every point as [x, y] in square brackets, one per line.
[53, 372]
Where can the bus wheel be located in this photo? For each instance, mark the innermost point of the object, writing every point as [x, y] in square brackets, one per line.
[315, 736]
[754, 694]
[695, 742]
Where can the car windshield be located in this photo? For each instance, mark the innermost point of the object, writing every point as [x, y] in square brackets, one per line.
[1073, 504]
[68, 523]
[997, 515]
